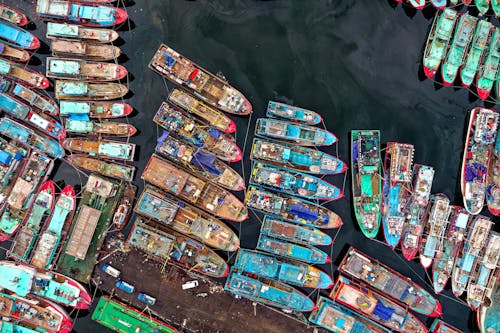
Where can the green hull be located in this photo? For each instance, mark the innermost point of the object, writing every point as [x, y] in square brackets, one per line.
[478, 47]
[482, 6]
[495, 4]
[488, 73]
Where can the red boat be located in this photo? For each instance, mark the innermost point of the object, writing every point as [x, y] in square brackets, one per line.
[13, 15]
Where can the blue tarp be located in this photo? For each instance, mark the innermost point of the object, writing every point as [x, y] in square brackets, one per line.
[355, 151]
[303, 212]
[162, 138]
[169, 61]
[79, 116]
[206, 161]
[5, 157]
[383, 311]
[213, 133]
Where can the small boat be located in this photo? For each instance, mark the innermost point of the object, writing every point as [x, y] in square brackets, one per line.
[23, 74]
[397, 178]
[123, 211]
[23, 280]
[103, 110]
[76, 90]
[439, 326]
[102, 128]
[12, 15]
[204, 164]
[477, 49]
[389, 282]
[268, 292]
[25, 135]
[439, 4]
[86, 50]
[466, 261]
[291, 209]
[83, 70]
[14, 54]
[482, 6]
[296, 158]
[290, 272]
[177, 122]
[212, 89]
[206, 113]
[495, 4]
[455, 56]
[293, 132]
[307, 254]
[47, 249]
[30, 96]
[488, 317]
[15, 36]
[78, 33]
[292, 113]
[101, 148]
[337, 318]
[90, 14]
[488, 72]
[13, 157]
[375, 306]
[444, 260]
[493, 181]
[481, 135]
[109, 169]
[203, 194]
[299, 234]
[413, 226]
[366, 180]
[435, 227]
[437, 42]
[186, 219]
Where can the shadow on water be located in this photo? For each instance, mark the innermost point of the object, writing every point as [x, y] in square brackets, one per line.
[392, 3]
[126, 26]
[126, 3]
[119, 42]
[342, 253]
[30, 25]
[44, 48]
[123, 58]
[472, 96]
[34, 61]
[410, 11]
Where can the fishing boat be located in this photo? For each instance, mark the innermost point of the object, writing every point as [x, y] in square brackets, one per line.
[337, 318]
[482, 6]
[290, 272]
[444, 260]
[488, 316]
[182, 251]
[93, 109]
[34, 98]
[389, 282]
[190, 130]
[75, 32]
[212, 89]
[83, 70]
[204, 164]
[101, 148]
[477, 49]
[13, 157]
[481, 135]
[14, 54]
[27, 136]
[293, 132]
[12, 326]
[291, 209]
[413, 226]
[296, 158]
[293, 182]
[466, 261]
[203, 194]
[23, 74]
[488, 72]
[47, 249]
[13, 15]
[268, 292]
[495, 5]
[15, 36]
[34, 311]
[458, 48]
[23, 280]
[109, 169]
[439, 4]
[375, 306]
[123, 211]
[397, 178]
[102, 128]
[437, 42]
[292, 113]
[366, 180]
[28, 234]
[299, 234]
[307, 254]
[86, 50]
[206, 113]
[439, 326]
[435, 227]
[77, 90]
[89, 14]
[493, 181]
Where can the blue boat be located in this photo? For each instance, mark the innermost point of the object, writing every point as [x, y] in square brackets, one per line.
[270, 267]
[268, 292]
[300, 234]
[308, 254]
[293, 132]
[293, 113]
[15, 36]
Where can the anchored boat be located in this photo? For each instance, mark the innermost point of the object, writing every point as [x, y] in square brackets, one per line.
[79, 33]
[83, 70]
[23, 74]
[77, 90]
[488, 72]
[439, 4]
[13, 157]
[482, 6]
[293, 132]
[14, 54]
[103, 128]
[86, 50]
[109, 169]
[15, 36]
[439, 326]
[101, 148]
[13, 15]
[488, 317]
[495, 4]
[307, 254]
[123, 211]
[34, 98]
[293, 113]
[493, 181]
[477, 49]
[103, 110]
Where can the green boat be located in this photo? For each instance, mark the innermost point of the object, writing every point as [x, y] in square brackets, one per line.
[458, 49]
[488, 72]
[11, 327]
[437, 42]
[495, 4]
[482, 6]
[476, 51]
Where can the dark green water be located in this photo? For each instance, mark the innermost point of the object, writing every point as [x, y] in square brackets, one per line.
[355, 62]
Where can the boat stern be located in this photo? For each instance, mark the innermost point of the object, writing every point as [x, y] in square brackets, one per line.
[429, 72]
[483, 93]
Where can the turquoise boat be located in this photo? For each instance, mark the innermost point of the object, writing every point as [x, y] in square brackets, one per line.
[293, 182]
[18, 132]
[64, 31]
[488, 317]
[292, 251]
[12, 161]
[101, 148]
[293, 113]
[488, 72]
[439, 4]
[268, 292]
[42, 102]
[24, 74]
[495, 4]
[78, 90]
[300, 234]
[480, 43]
[482, 6]
[83, 70]
[297, 158]
[15, 36]
[293, 132]
[439, 326]
[11, 327]
[103, 110]
[290, 272]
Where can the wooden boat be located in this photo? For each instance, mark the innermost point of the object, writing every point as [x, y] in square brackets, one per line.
[15, 36]
[493, 181]
[109, 169]
[488, 72]
[79, 33]
[94, 109]
[83, 70]
[307, 254]
[86, 50]
[295, 233]
[488, 316]
[292, 113]
[101, 148]
[30, 96]
[477, 49]
[123, 211]
[102, 128]
[23, 74]
[13, 15]
[14, 157]
[293, 132]
[77, 90]
[439, 326]
[14, 54]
